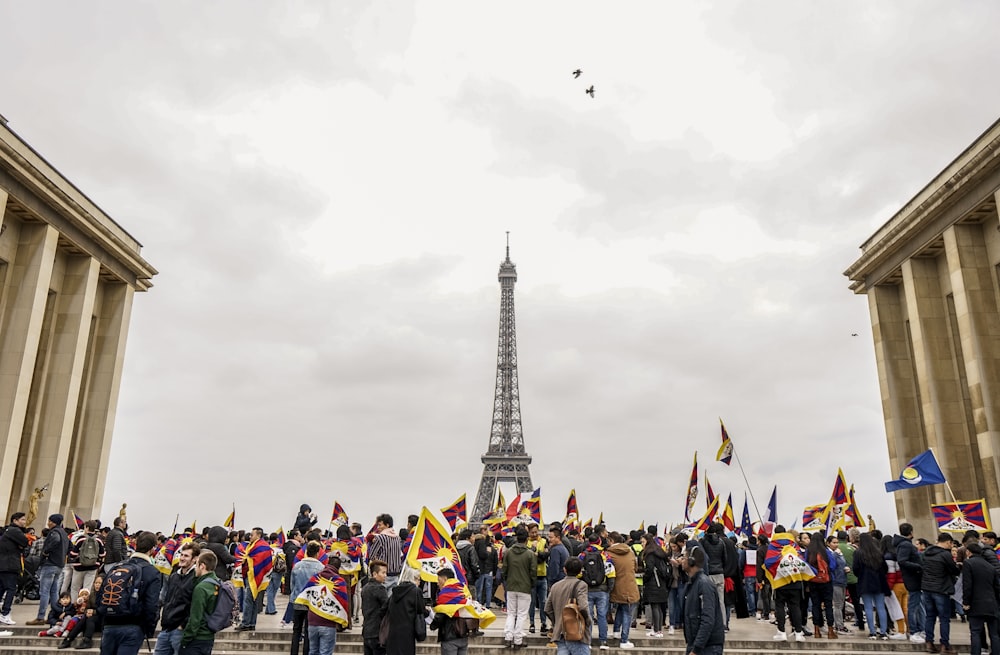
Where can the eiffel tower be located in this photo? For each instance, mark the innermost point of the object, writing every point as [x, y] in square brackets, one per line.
[505, 459]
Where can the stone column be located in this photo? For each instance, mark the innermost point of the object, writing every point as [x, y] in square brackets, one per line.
[900, 401]
[74, 309]
[31, 275]
[979, 329]
[935, 362]
[114, 311]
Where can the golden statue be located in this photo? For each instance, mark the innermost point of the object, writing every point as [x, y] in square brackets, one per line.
[33, 504]
[121, 515]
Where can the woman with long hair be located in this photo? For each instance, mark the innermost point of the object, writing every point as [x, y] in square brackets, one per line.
[894, 578]
[656, 582]
[821, 586]
[871, 570]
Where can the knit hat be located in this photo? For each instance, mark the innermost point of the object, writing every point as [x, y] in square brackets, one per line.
[56, 518]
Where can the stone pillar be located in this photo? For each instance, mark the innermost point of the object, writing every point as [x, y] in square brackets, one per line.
[74, 309]
[114, 310]
[28, 289]
[979, 329]
[900, 400]
[935, 361]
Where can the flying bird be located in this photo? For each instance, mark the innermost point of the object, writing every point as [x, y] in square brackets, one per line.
[577, 73]
[854, 334]
[590, 91]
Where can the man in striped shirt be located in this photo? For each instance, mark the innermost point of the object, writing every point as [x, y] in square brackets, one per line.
[384, 544]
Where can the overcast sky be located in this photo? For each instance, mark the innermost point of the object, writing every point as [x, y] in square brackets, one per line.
[325, 188]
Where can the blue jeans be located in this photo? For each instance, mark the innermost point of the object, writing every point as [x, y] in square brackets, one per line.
[599, 603]
[750, 587]
[48, 589]
[564, 647]
[677, 604]
[121, 640]
[623, 618]
[249, 609]
[168, 642]
[322, 639]
[484, 589]
[937, 605]
[875, 603]
[273, 588]
[915, 613]
[538, 600]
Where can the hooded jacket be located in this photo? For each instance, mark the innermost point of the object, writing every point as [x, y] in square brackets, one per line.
[217, 544]
[625, 591]
[940, 571]
[979, 586]
[910, 564]
[715, 552]
[13, 544]
[177, 599]
[519, 569]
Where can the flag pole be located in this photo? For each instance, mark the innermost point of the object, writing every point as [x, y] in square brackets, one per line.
[752, 498]
[954, 499]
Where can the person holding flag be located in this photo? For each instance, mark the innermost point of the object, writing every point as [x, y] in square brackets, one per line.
[326, 599]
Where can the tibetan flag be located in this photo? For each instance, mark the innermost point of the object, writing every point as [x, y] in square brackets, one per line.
[725, 454]
[433, 550]
[709, 494]
[530, 510]
[642, 525]
[193, 529]
[240, 553]
[784, 564]
[280, 541]
[572, 510]
[589, 523]
[79, 522]
[454, 600]
[322, 557]
[164, 558]
[834, 517]
[328, 598]
[814, 517]
[852, 512]
[349, 552]
[454, 514]
[600, 519]
[922, 469]
[230, 520]
[339, 515]
[746, 526]
[259, 559]
[702, 524]
[728, 520]
[692, 494]
[961, 516]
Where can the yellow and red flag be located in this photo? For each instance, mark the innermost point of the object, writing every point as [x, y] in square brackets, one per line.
[454, 514]
[725, 454]
[692, 494]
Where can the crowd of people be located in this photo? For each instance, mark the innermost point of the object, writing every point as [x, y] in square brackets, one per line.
[569, 586]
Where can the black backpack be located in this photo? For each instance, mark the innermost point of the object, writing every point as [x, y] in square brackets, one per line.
[593, 569]
[225, 611]
[119, 596]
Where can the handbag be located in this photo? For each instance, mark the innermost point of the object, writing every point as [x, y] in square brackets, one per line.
[420, 625]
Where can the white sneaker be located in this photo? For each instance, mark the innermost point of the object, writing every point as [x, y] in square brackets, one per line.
[284, 626]
[604, 645]
[6, 633]
[799, 636]
[781, 636]
[897, 636]
[657, 635]
[917, 638]
[671, 630]
[616, 634]
[6, 620]
[626, 644]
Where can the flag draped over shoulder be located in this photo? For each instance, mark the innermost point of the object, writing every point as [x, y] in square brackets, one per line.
[572, 510]
[725, 454]
[919, 471]
[240, 552]
[453, 599]
[746, 526]
[692, 494]
[164, 558]
[259, 561]
[728, 520]
[784, 563]
[328, 598]
[323, 556]
[961, 516]
[433, 550]
[349, 552]
[454, 514]
[338, 516]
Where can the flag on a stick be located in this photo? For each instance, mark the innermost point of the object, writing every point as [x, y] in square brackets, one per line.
[728, 520]
[746, 526]
[572, 510]
[231, 519]
[454, 514]
[433, 550]
[692, 494]
[961, 516]
[338, 516]
[725, 454]
[919, 471]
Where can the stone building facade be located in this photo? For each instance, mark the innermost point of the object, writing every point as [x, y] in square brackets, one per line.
[68, 276]
[932, 277]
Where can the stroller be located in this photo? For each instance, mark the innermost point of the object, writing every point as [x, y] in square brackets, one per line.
[27, 582]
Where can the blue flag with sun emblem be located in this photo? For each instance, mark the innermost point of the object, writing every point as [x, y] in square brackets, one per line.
[921, 470]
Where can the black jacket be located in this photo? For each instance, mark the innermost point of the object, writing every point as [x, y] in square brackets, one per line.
[55, 548]
[703, 621]
[732, 568]
[910, 563]
[715, 554]
[151, 581]
[177, 600]
[979, 587]
[657, 574]
[940, 571]
[115, 549]
[13, 543]
[217, 544]
[406, 604]
[871, 581]
[487, 554]
[374, 601]
[303, 523]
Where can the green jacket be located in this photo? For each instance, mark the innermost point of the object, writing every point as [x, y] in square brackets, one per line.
[847, 550]
[520, 566]
[203, 600]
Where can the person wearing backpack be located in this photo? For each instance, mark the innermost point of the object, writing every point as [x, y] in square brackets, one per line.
[129, 600]
[86, 555]
[821, 586]
[198, 638]
[568, 609]
[594, 573]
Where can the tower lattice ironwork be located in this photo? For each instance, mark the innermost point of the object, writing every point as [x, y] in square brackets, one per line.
[505, 459]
